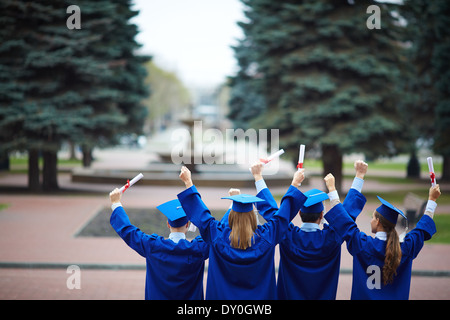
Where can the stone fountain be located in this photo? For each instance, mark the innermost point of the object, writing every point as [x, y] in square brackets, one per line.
[162, 170]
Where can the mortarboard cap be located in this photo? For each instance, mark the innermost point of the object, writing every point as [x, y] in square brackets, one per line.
[243, 202]
[388, 211]
[313, 203]
[174, 213]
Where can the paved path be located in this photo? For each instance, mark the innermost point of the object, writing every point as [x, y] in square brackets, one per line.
[38, 242]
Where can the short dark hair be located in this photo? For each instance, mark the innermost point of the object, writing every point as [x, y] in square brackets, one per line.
[309, 217]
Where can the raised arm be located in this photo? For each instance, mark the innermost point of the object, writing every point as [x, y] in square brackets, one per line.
[134, 238]
[278, 224]
[433, 194]
[355, 201]
[340, 220]
[185, 176]
[361, 169]
[195, 209]
[269, 207]
[425, 228]
[330, 182]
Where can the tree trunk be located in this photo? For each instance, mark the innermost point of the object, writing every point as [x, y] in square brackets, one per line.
[413, 167]
[50, 172]
[87, 156]
[332, 163]
[4, 161]
[445, 169]
[72, 151]
[33, 170]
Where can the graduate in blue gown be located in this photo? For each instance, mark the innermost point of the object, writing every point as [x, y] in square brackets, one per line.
[310, 256]
[241, 258]
[381, 265]
[175, 266]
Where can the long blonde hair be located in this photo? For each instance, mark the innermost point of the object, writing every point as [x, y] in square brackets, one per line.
[243, 226]
[393, 255]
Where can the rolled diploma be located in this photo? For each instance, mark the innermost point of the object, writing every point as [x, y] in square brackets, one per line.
[133, 181]
[192, 227]
[271, 157]
[275, 155]
[301, 156]
[431, 169]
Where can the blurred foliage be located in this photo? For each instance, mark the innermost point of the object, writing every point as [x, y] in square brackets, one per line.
[57, 85]
[427, 77]
[315, 71]
[169, 96]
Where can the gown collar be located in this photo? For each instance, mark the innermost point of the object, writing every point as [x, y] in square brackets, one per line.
[309, 227]
[381, 235]
[177, 236]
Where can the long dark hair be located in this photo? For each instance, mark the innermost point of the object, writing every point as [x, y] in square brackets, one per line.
[393, 254]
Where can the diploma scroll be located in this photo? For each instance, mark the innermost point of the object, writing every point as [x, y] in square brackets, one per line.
[431, 170]
[130, 183]
[273, 156]
[301, 157]
[192, 227]
[270, 158]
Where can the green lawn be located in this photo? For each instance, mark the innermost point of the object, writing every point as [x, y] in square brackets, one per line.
[24, 161]
[442, 234]
[377, 165]
[19, 165]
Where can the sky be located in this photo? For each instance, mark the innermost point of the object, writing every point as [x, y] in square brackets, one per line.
[191, 37]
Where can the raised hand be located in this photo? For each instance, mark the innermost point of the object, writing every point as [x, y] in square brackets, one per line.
[299, 176]
[115, 196]
[434, 193]
[330, 182]
[361, 168]
[256, 169]
[185, 176]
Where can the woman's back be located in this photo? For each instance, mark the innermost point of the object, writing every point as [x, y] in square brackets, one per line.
[241, 274]
[369, 257]
[235, 273]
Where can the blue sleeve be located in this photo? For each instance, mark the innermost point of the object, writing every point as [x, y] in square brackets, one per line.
[134, 238]
[268, 207]
[414, 239]
[347, 229]
[203, 246]
[354, 202]
[278, 224]
[198, 213]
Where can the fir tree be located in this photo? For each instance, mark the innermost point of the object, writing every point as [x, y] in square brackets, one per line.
[59, 84]
[326, 79]
[428, 35]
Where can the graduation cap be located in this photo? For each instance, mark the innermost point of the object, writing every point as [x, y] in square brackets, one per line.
[388, 211]
[174, 213]
[313, 203]
[243, 202]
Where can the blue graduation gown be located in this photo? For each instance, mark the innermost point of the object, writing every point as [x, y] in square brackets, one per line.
[174, 270]
[368, 251]
[235, 273]
[309, 261]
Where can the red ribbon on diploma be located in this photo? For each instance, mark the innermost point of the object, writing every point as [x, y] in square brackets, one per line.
[126, 186]
[432, 177]
[265, 161]
[300, 165]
